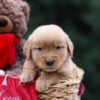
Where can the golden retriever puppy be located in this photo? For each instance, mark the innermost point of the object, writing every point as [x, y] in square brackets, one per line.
[49, 49]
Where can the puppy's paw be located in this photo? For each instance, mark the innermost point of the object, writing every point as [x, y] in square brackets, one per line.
[26, 77]
[41, 85]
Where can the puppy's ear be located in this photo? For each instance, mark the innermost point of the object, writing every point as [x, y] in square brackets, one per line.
[27, 49]
[70, 45]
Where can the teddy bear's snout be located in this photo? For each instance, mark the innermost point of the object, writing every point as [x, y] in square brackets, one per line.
[3, 22]
[49, 62]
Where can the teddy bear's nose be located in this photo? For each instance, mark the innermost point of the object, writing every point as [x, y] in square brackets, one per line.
[49, 62]
[3, 22]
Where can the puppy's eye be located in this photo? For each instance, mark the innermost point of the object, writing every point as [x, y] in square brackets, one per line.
[59, 47]
[39, 49]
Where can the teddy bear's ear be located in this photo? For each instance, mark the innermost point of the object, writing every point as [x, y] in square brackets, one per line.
[27, 49]
[70, 45]
[26, 9]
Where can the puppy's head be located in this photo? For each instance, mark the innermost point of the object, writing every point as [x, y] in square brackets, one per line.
[49, 47]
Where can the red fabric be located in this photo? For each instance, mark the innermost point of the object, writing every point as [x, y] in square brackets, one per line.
[81, 89]
[7, 49]
[12, 90]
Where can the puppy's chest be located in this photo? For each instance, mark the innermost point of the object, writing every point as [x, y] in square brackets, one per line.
[62, 76]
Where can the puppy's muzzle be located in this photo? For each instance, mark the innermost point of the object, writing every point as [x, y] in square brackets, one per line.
[49, 62]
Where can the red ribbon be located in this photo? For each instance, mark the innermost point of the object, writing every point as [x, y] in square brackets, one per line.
[8, 43]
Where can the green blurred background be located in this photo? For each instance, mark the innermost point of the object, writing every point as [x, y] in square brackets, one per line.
[81, 20]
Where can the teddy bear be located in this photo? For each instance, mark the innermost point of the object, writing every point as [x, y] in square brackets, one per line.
[14, 16]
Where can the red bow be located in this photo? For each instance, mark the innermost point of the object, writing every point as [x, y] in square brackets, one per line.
[8, 43]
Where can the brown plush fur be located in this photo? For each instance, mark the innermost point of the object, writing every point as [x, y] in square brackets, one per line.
[49, 43]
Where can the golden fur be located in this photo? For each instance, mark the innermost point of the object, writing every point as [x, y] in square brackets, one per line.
[49, 43]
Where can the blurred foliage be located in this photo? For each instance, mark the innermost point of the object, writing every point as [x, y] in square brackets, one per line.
[81, 20]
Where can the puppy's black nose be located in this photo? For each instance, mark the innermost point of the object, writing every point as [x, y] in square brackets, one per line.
[49, 62]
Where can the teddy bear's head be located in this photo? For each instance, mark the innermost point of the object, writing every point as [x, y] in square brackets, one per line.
[14, 15]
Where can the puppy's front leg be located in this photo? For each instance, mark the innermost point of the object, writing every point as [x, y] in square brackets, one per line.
[28, 72]
[45, 81]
